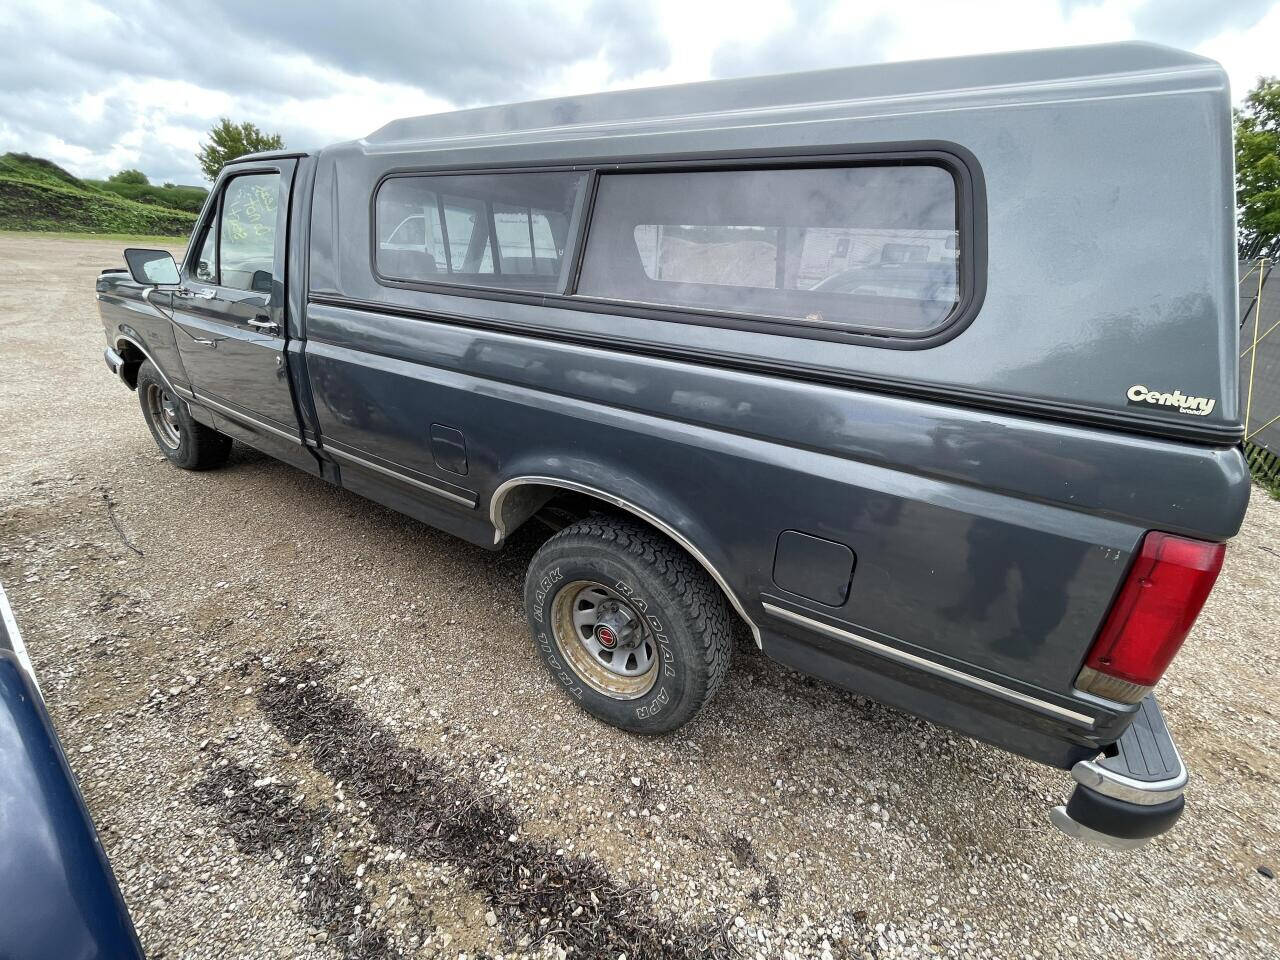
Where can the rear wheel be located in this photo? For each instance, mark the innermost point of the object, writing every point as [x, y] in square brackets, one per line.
[186, 442]
[628, 624]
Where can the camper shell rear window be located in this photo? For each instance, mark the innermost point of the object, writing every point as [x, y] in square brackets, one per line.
[824, 248]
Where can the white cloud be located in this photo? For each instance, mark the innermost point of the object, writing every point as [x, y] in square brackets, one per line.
[1248, 53]
[79, 87]
[1241, 34]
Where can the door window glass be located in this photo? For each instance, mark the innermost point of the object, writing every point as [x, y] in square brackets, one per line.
[247, 233]
[206, 267]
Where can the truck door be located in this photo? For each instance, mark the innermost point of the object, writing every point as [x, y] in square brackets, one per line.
[230, 310]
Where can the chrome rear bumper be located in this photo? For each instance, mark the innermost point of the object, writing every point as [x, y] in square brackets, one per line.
[1132, 793]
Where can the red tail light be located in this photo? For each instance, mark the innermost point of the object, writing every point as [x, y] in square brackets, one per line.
[1167, 585]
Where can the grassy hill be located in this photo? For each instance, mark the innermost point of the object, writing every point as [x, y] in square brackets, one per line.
[36, 194]
[176, 197]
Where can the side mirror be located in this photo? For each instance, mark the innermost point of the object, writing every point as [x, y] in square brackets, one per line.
[151, 267]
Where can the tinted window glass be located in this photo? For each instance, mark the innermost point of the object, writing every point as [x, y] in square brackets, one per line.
[466, 228]
[504, 230]
[834, 246]
[248, 231]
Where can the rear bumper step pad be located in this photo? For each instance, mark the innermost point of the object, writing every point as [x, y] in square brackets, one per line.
[1132, 793]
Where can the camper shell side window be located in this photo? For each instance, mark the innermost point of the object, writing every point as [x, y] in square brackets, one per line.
[504, 230]
[886, 247]
[829, 246]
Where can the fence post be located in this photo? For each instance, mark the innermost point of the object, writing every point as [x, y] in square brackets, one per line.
[1253, 357]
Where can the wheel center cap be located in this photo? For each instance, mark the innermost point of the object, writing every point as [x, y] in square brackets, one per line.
[615, 630]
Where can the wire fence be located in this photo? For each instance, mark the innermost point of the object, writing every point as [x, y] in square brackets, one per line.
[1260, 366]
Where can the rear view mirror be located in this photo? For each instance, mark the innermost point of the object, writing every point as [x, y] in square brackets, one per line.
[151, 267]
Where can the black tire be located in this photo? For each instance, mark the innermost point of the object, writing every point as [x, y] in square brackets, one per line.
[186, 442]
[685, 619]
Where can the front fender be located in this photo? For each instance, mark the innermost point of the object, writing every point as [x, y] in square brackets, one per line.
[138, 329]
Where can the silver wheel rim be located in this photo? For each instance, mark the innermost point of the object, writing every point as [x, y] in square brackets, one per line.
[585, 616]
[163, 412]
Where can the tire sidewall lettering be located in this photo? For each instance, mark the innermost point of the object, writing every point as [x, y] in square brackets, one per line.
[559, 669]
[552, 577]
[655, 704]
[660, 696]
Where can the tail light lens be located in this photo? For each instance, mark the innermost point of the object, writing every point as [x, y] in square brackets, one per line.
[1167, 585]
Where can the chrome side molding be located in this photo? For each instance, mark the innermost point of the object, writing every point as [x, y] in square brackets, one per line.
[932, 666]
[398, 476]
[245, 419]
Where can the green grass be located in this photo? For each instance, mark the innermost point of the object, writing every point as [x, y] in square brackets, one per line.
[39, 196]
[1265, 467]
[190, 199]
[1269, 483]
[26, 167]
[158, 241]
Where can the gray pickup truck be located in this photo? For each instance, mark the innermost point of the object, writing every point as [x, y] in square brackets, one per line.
[922, 374]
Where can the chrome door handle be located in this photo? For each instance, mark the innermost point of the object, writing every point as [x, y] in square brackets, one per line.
[197, 294]
[266, 326]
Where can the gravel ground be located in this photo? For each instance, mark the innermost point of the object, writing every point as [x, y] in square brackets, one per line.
[308, 727]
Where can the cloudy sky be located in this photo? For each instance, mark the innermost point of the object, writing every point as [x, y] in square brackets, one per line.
[98, 87]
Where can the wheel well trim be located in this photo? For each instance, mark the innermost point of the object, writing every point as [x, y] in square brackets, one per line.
[125, 338]
[183, 394]
[500, 533]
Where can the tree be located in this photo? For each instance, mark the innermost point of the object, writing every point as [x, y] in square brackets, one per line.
[129, 176]
[229, 140]
[1258, 170]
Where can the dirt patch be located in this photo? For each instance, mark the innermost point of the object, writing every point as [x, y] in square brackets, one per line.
[266, 819]
[419, 805]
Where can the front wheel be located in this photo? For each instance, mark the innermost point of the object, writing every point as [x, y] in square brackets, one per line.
[628, 624]
[185, 441]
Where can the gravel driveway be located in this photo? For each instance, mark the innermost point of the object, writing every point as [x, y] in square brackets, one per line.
[307, 726]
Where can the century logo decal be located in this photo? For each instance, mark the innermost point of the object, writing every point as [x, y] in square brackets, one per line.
[1196, 406]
